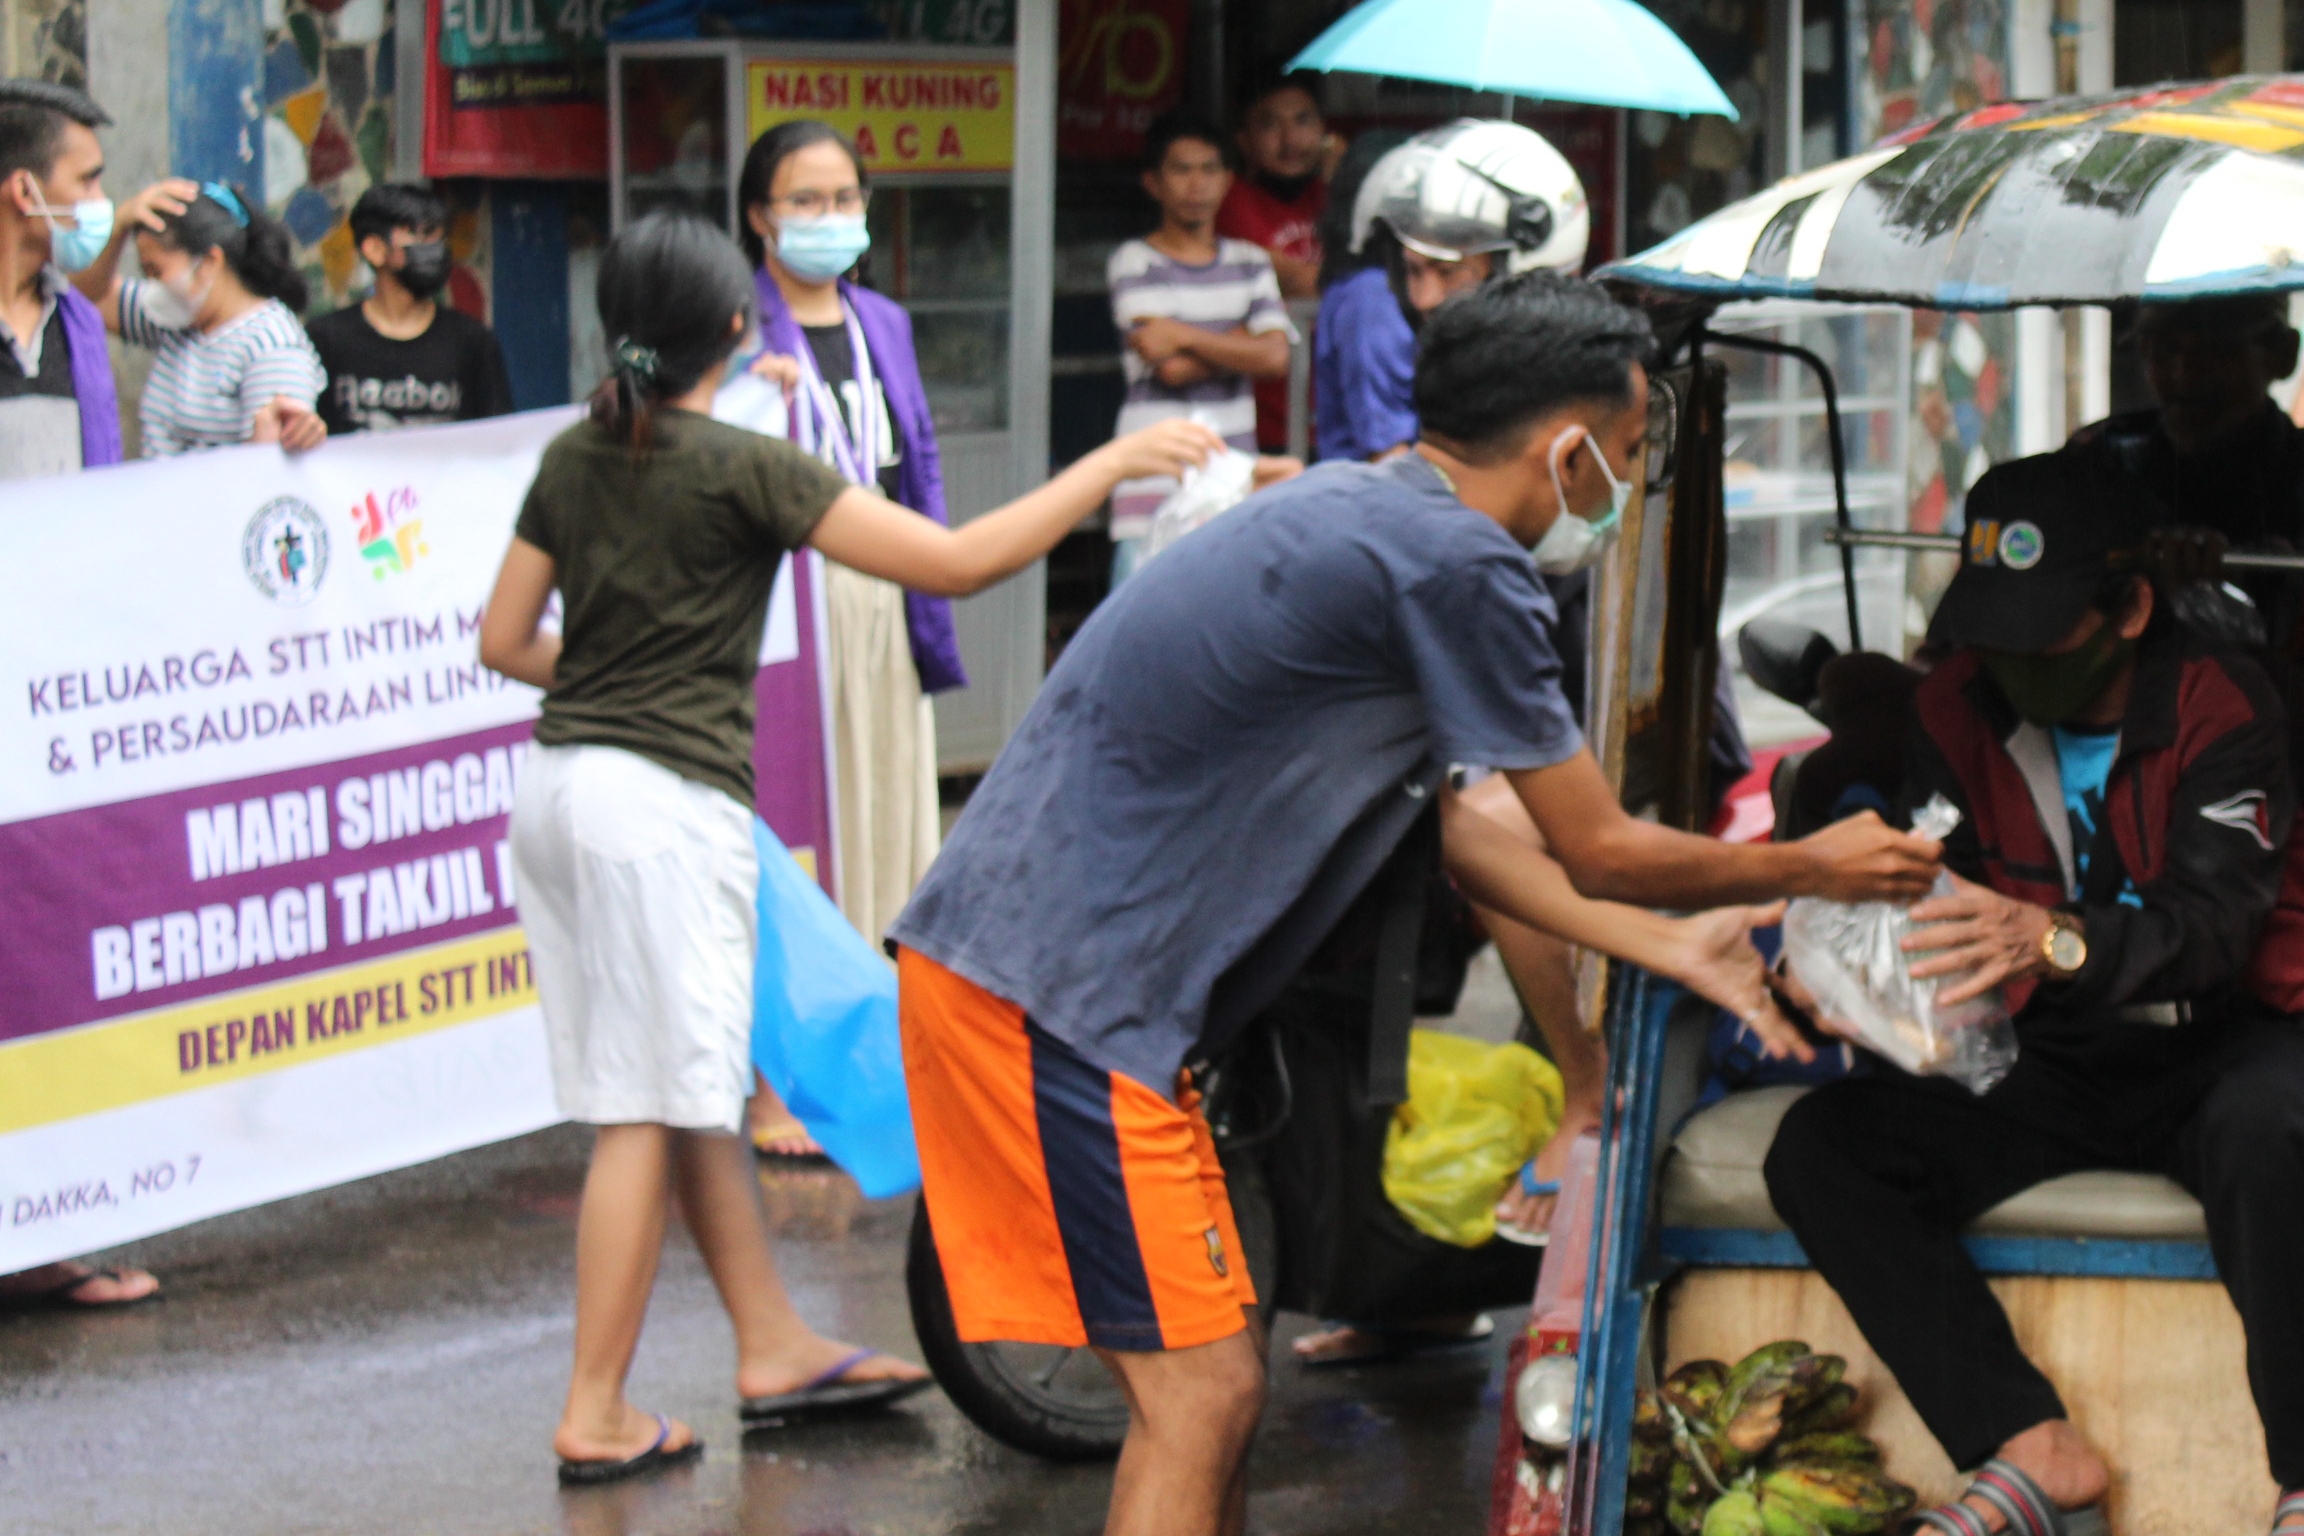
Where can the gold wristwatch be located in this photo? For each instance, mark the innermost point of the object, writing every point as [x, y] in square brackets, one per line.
[2064, 947]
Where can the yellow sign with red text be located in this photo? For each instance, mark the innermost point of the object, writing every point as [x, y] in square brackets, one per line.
[64, 1073]
[905, 116]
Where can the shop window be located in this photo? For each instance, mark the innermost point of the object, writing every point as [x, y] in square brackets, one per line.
[2154, 40]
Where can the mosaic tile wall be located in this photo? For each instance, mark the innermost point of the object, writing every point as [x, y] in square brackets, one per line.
[328, 82]
[45, 40]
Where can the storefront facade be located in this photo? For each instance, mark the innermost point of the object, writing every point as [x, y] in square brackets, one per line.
[505, 104]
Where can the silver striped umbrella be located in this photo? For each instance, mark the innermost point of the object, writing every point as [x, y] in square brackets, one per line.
[2177, 192]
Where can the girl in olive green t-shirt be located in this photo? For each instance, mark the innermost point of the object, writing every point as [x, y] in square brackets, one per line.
[662, 529]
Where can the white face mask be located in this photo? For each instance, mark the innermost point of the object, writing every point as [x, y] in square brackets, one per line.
[174, 303]
[1572, 543]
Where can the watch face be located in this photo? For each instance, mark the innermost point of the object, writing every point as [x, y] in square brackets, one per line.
[2067, 951]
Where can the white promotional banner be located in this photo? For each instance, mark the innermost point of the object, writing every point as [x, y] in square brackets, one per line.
[257, 931]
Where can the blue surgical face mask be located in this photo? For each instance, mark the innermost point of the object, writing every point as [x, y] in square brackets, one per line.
[77, 248]
[820, 249]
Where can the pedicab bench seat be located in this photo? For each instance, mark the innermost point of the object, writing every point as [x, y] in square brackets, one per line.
[1715, 1209]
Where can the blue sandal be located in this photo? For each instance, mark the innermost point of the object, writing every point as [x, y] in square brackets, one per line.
[1532, 1186]
[586, 1474]
[829, 1391]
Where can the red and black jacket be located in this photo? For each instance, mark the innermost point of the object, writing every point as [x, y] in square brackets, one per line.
[2198, 810]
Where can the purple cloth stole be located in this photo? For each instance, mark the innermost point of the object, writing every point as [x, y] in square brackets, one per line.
[91, 380]
[919, 478]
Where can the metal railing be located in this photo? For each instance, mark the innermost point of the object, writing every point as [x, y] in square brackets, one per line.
[1868, 538]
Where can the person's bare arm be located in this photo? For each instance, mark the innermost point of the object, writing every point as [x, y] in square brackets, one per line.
[869, 533]
[1614, 856]
[291, 423]
[1182, 372]
[511, 639]
[1710, 953]
[99, 281]
[1253, 354]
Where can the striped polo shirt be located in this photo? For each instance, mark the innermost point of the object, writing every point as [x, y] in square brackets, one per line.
[206, 387]
[1236, 290]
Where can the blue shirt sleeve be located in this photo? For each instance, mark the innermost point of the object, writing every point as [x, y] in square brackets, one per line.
[1371, 372]
[1479, 639]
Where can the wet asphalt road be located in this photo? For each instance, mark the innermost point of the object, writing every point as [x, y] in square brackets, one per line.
[388, 1357]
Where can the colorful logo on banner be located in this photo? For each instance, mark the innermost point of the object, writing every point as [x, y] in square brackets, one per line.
[1118, 67]
[901, 114]
[285, 551]
[391, 534]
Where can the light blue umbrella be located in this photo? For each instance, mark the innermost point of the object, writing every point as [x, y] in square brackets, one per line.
[1612, 53]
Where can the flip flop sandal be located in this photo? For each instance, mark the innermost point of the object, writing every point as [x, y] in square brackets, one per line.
[59, 1297]
[826, 1393]
[1396, 1344]
[787, 1130]
[587, 1474]
[2020, 1501]
[2288, 1515]
[1529, 1185]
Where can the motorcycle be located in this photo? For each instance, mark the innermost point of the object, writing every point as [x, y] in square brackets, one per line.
[1299, 1103]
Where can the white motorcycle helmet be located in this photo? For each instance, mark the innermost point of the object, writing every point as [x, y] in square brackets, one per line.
[1477, 185]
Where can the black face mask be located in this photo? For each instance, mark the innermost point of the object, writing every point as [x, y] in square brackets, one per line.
[1286, 188]
[423, 269]
[2052, 690]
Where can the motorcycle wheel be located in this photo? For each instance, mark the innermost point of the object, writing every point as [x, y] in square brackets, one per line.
[1050, 1400]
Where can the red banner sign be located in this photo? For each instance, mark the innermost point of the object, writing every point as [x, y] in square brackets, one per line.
[1120, 64]
[516, 88]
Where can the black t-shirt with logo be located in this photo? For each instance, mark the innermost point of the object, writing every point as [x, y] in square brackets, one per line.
[453, 372]
[836, 361]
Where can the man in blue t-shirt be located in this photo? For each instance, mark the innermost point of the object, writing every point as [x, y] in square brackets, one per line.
[1221, 761]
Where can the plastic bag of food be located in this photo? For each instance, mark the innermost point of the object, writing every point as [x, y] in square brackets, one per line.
[1206, 493]
[1475, 1113]
[1851, 956]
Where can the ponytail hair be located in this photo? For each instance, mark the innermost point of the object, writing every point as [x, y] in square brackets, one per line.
[669, 285]
[256, 246]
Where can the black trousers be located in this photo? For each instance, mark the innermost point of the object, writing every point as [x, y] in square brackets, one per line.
[1878, 1175]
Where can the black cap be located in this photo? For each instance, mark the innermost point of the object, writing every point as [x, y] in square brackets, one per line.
[2043, 533]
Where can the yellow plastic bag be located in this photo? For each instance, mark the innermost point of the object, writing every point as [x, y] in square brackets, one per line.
[1475, 1113]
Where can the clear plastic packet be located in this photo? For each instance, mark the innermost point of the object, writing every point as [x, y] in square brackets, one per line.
[1207, 493]
[1851, 956]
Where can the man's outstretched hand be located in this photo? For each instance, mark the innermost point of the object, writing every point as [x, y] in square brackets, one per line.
[1717, 962]
[1862, 858]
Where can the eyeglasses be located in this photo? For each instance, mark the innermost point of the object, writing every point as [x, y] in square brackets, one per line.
[810, 205]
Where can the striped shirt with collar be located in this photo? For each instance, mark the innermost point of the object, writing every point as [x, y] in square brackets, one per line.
[1236, 290]
[206, 387]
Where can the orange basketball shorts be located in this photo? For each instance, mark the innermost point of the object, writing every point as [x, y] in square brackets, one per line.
[1071, 1205]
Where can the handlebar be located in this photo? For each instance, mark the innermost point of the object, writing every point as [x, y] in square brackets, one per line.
[1879, 539]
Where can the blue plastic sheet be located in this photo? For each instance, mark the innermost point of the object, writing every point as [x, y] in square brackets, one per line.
[824, 1027]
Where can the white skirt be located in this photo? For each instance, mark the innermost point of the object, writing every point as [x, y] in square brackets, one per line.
[639, 889]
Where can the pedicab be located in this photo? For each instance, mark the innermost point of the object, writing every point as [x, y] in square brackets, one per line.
[2141, 197]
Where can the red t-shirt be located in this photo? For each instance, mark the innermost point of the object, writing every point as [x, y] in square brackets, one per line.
[1290, 229]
